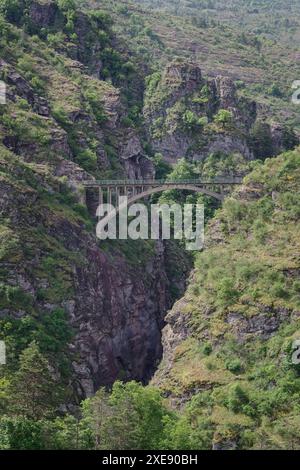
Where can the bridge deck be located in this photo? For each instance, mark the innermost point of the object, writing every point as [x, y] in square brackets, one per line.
[230, 180]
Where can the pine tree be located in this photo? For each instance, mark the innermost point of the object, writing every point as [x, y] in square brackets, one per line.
[34, 393]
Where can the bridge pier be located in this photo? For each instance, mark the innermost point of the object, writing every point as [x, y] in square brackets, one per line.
[109, 195]
[100, 196]
[82, 196]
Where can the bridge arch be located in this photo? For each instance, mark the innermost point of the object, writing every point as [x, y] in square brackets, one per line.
[186, 187]
[152, 190]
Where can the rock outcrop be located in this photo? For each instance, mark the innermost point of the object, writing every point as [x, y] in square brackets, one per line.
[19, 87]
[55, 148]
[137, 164]
[118, 313]
[181, 112]
[43, 13]
[84, 45]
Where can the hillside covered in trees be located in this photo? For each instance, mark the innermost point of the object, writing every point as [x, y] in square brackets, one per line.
[137, 344]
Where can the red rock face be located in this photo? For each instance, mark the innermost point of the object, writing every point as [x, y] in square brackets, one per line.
[187, 76]
[118, 315]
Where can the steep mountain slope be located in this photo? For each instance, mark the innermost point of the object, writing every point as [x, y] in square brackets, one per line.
[63, 124]
[51, 265]
[254, 43]
[99, 89]
[54, 79]
[73, 100]
[228, 341]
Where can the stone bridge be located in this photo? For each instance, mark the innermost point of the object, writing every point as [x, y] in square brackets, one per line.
[109, 191]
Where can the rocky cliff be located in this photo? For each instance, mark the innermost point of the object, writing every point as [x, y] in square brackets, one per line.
[190, 116]
[62, 123]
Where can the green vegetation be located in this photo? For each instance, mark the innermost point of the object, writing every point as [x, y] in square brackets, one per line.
[130, 417]
[33, 392]
[81, 81]
[241, 306]
[248, 412]
[253, 42]
[224, 118]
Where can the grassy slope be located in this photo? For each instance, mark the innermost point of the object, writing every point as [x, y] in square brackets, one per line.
[68, 90]
[246, 281]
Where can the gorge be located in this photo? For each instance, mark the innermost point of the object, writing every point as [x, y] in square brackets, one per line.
[114, 91]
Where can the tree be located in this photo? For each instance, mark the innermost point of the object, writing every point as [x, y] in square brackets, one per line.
[183, 170]
[274, 90]
[290, 139]
[181, 433]
[224, 118]
[70, 432]
[237, 397]
[4, 387]
[131, 417]
[66, 5]
[33, 391]
[12, 9]
[261, 140]
[190, 120]
[162, 168]
[21, 433]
